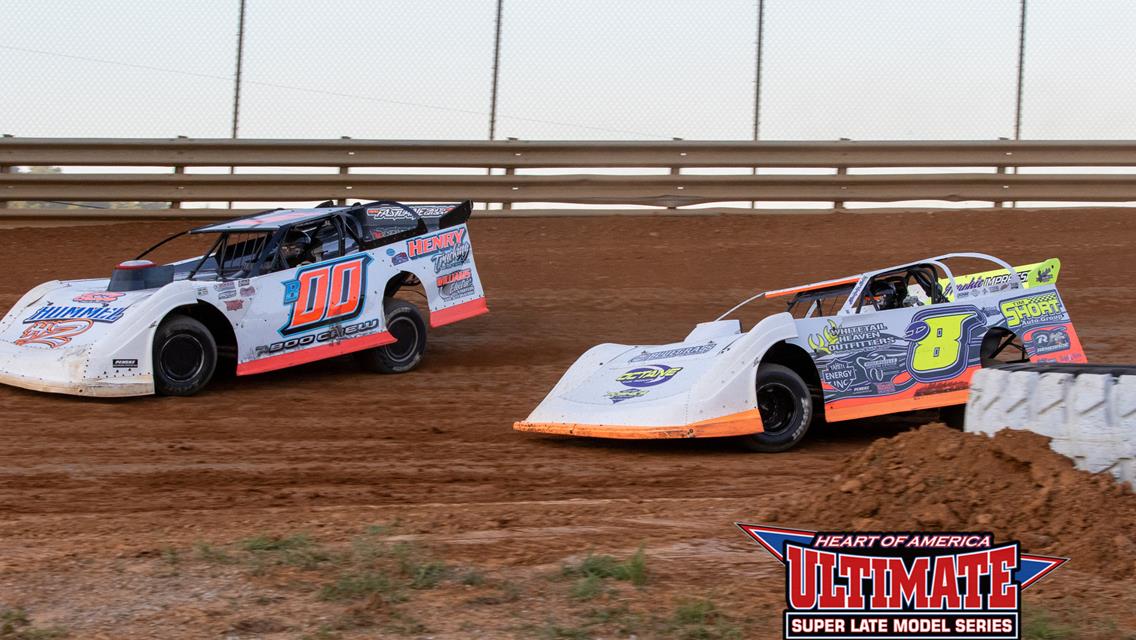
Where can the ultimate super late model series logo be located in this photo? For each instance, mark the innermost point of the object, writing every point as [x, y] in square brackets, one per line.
[901, 584]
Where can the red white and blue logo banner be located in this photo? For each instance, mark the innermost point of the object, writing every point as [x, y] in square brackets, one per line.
[901, 584]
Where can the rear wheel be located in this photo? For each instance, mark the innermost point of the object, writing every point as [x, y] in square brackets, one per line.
[406, 326]
[185, 356]
[786, 408]
[1002, 346]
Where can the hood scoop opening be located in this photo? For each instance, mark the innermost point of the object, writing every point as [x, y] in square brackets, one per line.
[134, 275]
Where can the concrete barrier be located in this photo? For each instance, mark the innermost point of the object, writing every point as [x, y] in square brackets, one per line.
[1089, 411]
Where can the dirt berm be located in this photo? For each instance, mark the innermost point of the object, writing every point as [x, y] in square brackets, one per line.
[1013, 484]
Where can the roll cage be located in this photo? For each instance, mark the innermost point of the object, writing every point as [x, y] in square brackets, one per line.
[859, 289]
[246, 252]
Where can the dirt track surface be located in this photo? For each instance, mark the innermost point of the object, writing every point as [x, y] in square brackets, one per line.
[133, 519]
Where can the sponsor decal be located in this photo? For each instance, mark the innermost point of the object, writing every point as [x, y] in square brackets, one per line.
[1033, 309]
[975, 285]
[429, 245]
[397, 258]
[625, 394]
[60, 312]
[202, 291]
[839, 374]
[879, 366]
[680, 352]
[458, 284]
[434, 211]
[451, 258]
[234, 305]
[225, 295]
[834, 338]
[333, 333]
[903, 584]
[53, 333]
[1047, 339]
[389, 213]
[248, 292]
[125, 363]
[325, 293]
[648, 376]
[227, 285]
[101, 297]
[243, 282]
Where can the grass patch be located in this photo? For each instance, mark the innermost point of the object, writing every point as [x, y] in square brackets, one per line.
[633, 569]
[15, 625]
[367, 584]
[382, 529]
[1038, 624]
[473, 578]
[294, 551]
[553, 631]
[209, 553]
[508, 592]
[588, 588]
[701, 619]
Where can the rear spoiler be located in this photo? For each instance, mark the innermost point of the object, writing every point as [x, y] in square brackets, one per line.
[1032, 275]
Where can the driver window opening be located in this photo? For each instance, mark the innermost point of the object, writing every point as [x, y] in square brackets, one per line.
[913, 287]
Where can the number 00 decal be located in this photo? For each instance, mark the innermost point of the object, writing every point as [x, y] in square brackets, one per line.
[939, 342]
[325, 293]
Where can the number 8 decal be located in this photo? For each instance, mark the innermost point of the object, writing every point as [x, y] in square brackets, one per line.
[939, 342]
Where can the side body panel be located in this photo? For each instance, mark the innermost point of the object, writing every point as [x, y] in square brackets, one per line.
[335, 307]
[877, 362]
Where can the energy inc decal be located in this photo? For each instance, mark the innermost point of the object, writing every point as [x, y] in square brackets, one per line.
[901, 584]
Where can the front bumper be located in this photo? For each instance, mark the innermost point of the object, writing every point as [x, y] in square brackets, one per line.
[67, 371]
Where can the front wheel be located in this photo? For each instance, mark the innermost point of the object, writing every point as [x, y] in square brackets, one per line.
[185, 356]
[406, 326]
[786, 408]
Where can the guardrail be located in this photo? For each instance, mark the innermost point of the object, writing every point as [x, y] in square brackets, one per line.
[990, 180]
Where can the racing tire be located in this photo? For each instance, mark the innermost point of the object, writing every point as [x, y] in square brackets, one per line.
[184, 355]
[406, 325]
[786, 407]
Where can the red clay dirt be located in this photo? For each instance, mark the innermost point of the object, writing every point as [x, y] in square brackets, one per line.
[148, 517]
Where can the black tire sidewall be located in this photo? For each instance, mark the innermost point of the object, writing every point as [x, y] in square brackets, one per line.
[379, 359]
[802, 417]
[170, 328]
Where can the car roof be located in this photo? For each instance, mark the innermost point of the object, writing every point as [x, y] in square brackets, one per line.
[270, 220]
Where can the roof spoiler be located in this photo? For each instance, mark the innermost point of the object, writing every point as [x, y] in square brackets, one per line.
[458, 215]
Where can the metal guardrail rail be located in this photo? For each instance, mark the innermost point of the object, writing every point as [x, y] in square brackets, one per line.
[578, 187]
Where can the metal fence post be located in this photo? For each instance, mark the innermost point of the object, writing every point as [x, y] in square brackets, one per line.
[6, 169]
[178, 170]
[839, 204]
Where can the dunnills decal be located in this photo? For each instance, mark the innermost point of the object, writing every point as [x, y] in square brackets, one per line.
[648, 376]
[60, 312]
[901, 584]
